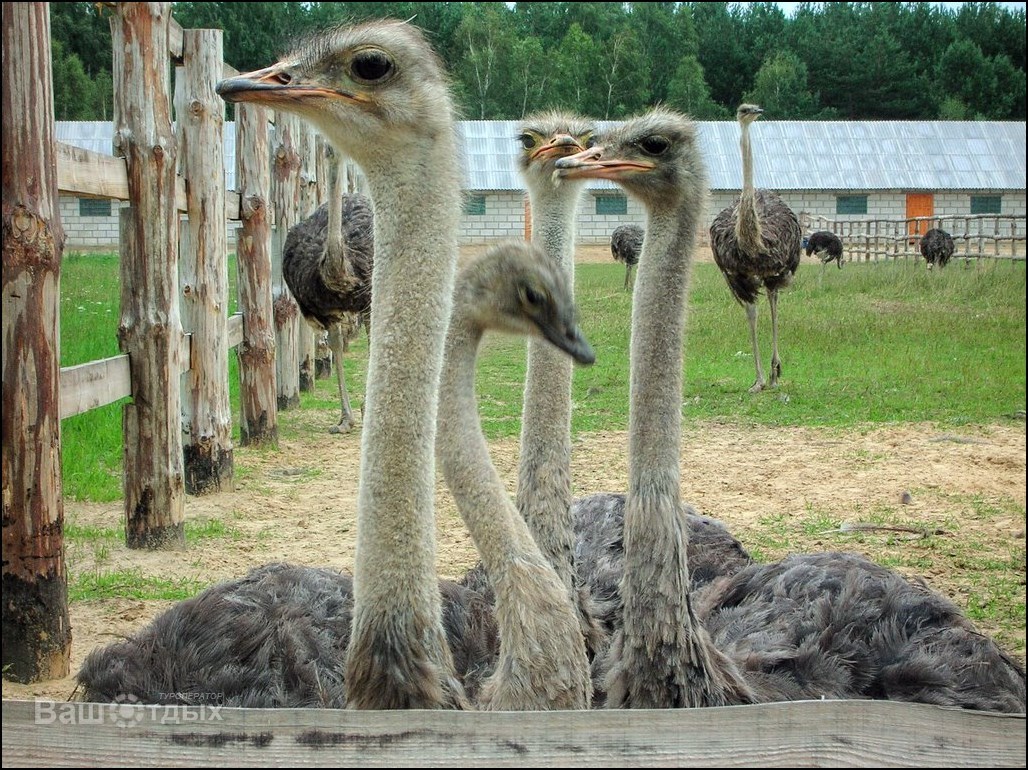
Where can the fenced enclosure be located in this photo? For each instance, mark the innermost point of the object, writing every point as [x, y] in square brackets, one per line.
[843, 733]
[975, 236]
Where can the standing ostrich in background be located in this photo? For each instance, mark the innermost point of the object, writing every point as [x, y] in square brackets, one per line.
[625, 244]
[937, 247]
[327, 263]
[756, 242]
[381, 96]
[826, 246]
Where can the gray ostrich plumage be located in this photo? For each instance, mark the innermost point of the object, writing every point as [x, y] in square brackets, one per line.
[542, 663]
[544, 464]
[659, 655]
[756, 243]
[837, 625]
[278, 637]
[937, 247]
[828, 625]
[626, 243]
[380, 95]
[330, 277]
[826, 246]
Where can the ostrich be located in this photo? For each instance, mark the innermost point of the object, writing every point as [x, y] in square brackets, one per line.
[277, 637]
[837, 625]
[625, 244]
[826, 245]
[327, 263]
[756, 242]
[544, 470]
[380, 95]
[937, 247]
[661, 656]
[821, 625]
[542, 662]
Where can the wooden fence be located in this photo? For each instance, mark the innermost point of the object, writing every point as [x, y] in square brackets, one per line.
[174, 331]
[794, 734]
[199, 351]
[975, 236]
[45, 733]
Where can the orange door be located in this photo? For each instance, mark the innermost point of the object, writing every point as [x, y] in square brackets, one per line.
[919, 205]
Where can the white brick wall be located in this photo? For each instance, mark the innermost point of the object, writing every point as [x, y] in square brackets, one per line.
[505, 215]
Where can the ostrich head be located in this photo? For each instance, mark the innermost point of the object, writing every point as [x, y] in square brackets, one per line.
[371, 89]
[654, 157]
[747, 113]
[547, 136]
[516, 290]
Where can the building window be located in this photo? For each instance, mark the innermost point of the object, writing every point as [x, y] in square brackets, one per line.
[986, 204]
[611, 204]
[94, 207]
[474, 205]
[850, 204]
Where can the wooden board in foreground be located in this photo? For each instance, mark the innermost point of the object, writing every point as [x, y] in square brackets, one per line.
[797, 734]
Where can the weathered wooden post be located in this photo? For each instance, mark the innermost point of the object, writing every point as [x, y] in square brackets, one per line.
[286, 196]
[150, 330]
[207, 415]
[36, 631]
[257, 389]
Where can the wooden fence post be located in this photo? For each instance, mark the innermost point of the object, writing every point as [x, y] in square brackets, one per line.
[258, 389]
[150, 330]
[286, 195]
[207, 415]
[36, 631]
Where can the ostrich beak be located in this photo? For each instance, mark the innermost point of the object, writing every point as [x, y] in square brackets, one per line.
[589, 164]
[276, 85]
[568, 337]
[560, 146]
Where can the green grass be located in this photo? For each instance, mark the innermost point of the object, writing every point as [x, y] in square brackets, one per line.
[130, 584]
[91, 443]
[871, 343]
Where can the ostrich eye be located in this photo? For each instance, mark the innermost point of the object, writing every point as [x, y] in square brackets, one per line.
[531, 296]
[527, 141]
[371, 66]
[654, 145]
[588, 142]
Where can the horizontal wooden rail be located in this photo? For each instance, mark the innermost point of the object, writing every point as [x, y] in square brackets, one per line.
[95, 175]
[99, 383]
[796, 734]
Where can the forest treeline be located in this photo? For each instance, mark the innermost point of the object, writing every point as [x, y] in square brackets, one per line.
[861, 61]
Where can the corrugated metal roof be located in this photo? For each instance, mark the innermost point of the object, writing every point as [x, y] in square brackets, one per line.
[788, 155]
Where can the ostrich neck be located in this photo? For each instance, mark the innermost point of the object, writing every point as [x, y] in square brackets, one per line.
[747, 223]
[544, 472]
[334, 242]
[663, 649]
[500, 535]
[416, 205]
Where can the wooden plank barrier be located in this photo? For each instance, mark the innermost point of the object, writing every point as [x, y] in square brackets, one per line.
[844, 733]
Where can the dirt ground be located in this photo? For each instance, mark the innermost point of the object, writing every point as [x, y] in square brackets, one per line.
[297, 504]
[779, 490]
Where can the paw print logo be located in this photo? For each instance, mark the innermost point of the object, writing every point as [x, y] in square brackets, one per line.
[124, 712]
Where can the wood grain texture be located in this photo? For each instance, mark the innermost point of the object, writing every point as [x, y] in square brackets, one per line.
[796, 734]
